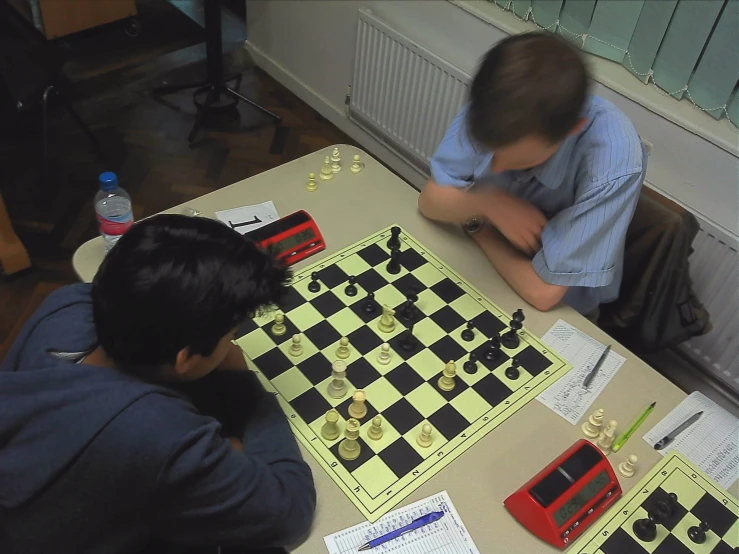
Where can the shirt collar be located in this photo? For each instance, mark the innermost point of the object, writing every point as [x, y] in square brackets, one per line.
[553, 171]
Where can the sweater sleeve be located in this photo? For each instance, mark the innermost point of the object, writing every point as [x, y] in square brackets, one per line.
[212, 494]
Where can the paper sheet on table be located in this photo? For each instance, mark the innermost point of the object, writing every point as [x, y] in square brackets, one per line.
[248, 218]
[710, 443]
[447, 535]
[566, 396]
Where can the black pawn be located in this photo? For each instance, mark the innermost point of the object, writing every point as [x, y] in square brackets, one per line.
[394, 241]
[315, 284]
[512, 372]
[470, 366]
[492, 350]
[369, 305]
[468, 334]
[408, 341]
[645, 529]
[393, 266]
[510, 338]
[697, 533]
[408, 309]
[351, 288]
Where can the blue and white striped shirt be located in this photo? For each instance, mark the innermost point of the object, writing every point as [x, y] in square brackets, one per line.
[588, 191]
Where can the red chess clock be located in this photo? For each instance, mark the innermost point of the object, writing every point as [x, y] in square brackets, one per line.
[568, 495]
[293, 237]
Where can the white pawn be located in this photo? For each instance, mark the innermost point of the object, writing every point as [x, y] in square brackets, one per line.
[330, 429]
[446, 381]
[375, 430]
[591, 428]
[424, 439]
[626, 468]
[343, 351]
[279, 328]
[349, 448]
[605, 439]
[296, 349]
[357, 408]
[387, 321]
[326, 173]
[356, 166]
[337, 387]
[312, 185]
[335, 161]
[383, 357]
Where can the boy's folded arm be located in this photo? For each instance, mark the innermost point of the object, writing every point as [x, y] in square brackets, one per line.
[211, 494]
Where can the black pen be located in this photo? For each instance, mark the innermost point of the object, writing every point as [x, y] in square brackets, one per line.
[596, 367]
[669, 437]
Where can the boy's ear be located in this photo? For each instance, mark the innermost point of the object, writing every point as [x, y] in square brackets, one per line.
[183, 361]
[579, 126]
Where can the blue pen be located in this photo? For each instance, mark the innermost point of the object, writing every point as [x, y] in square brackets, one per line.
[412, 526]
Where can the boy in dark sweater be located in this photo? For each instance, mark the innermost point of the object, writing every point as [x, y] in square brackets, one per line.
[129, 422]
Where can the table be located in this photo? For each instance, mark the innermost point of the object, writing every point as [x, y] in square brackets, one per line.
[353, 206]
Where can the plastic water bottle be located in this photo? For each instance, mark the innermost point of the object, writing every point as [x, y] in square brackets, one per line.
[113, 209]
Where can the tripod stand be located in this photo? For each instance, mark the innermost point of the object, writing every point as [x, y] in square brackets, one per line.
[218, 96]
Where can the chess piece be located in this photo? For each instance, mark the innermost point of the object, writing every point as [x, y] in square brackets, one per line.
[393, 242]
[279, 328]
[512, 372]
[393, 266]
[664, 508]
[384, 356]
[315, 284]
[407, 341]
[408, 309]
[357, 409]
[356, 166]
[387, 321]
[468, 334]
[369, 305]
[470, 366]
[645, 529]
[337, 387]
[424, 439]
[326, 173]
[330, 429]
[296, 349]
[446, 381]
[626, 468]
[591, 428]
[312, 185]
[343, 351]
[351, 287]
[492, 350]
[375, 430]
[349, 448]
[697, 533]
[335, 161]
[606, 437]
[510, 339]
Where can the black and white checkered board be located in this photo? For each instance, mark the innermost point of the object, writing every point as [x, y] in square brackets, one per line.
[404, 392]
[699, 499]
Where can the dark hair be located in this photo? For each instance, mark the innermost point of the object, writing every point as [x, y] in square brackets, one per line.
[528, 84]
[174, 282]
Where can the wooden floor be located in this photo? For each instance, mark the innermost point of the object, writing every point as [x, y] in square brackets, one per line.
[145, 143]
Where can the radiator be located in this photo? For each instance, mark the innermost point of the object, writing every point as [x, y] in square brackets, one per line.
[407, 96]
[402, 91]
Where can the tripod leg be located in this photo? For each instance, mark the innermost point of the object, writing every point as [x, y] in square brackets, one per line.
[252, 103]
[201, 115]
[44, 166]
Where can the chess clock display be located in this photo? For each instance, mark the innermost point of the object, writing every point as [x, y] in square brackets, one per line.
[293, 238]
[565, 497]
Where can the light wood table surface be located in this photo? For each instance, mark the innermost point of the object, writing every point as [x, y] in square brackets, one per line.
[353, 206]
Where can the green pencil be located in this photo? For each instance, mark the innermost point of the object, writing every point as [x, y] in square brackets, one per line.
[620, 441]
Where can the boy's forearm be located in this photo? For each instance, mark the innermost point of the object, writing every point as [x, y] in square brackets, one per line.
[453, 205]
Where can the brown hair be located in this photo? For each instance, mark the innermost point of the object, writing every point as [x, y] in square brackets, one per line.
[532, 83]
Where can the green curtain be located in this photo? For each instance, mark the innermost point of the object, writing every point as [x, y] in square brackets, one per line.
[684, 46]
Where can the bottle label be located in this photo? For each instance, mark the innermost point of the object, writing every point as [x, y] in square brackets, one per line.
[115, 225]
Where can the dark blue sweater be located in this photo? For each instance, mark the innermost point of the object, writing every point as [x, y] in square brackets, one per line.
[93, 460]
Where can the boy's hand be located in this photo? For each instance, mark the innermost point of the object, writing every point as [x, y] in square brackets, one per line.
[518, 220]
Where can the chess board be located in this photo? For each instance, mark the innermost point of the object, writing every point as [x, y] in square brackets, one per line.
[404, 392]
[699, 499]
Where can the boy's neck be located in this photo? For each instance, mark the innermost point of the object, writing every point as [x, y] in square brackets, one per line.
[98, 358]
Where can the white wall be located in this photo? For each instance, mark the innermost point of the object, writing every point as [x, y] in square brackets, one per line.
[308, 45]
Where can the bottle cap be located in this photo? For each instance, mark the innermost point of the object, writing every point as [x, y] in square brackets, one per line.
[108, 181]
